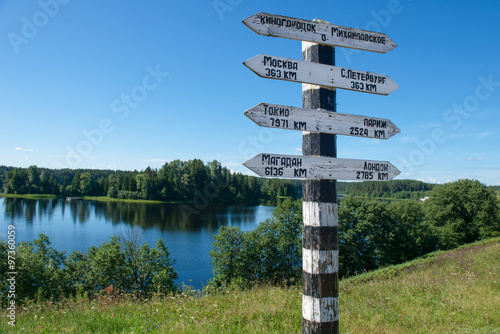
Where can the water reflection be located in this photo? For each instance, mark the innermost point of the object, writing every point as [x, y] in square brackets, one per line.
[77, 225]
[164, 216]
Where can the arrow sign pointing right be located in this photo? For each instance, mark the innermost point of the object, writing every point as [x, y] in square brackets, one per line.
[317, 120]
[323, 168]
[279, 68]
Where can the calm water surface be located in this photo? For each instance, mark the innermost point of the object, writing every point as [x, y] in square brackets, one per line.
[77, 225]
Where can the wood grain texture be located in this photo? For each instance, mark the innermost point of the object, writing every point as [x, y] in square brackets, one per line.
[324, 121]
[279, 68]
[318, 32]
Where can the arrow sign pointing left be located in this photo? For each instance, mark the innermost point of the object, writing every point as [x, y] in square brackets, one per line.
[323, 168]
[318, 32]
[317, 120]
[319, 74]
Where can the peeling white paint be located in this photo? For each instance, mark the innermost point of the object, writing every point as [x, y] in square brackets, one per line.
[320, 214]
[320, 309]
[320, 261]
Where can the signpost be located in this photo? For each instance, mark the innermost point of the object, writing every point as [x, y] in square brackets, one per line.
[321, 168]
[318, 32]
[317, 120]
[287, 69]
[320, 288]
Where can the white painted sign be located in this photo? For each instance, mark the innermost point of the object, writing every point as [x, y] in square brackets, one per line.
[323, 168]
[318, 32]
[319, 74]
[317, 120]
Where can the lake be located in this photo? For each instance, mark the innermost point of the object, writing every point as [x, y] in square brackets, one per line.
[77, 225]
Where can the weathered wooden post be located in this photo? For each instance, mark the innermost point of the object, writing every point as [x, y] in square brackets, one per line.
[318, 167]
[320, 310]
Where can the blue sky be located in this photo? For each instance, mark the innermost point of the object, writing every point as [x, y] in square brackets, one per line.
[130, 84]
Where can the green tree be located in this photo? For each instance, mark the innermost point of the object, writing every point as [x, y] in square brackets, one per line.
[227, 253]
[150, 269]
[409, 214]
[106, 266]
[86, 183]
[462, 212]
[45, 186]
[282, 234]
[124, 263]
[370, 237]
[76, 273]
[41, 268]
[33, 185]
[270, 253]
[112, 191]
[161, 268]
[74, 189]
[144, 185]
[15, 182]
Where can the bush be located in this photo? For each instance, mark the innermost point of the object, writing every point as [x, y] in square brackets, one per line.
[374, 234]
[39, 268]
[124, 263]
[270, 253]
[462, 212]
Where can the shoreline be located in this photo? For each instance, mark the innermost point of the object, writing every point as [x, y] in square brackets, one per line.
[109, 199]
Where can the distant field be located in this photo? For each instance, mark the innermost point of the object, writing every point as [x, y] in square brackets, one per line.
[456, 291]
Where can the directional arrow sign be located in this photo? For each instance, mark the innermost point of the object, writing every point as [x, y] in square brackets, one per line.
[319, 74]
[318, 32]
[310, 167]
[315, 120]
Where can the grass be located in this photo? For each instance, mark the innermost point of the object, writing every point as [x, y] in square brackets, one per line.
[109, 199]
[88, 198]
[30, 196]
[445, 292]
[260, 310]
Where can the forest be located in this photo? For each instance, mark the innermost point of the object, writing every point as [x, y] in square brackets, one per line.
[184, 181]
[174, 181]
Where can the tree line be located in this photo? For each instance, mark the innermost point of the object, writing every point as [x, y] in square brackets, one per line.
[183, 181]
[394, 189]
[372, 234]
[174, 181]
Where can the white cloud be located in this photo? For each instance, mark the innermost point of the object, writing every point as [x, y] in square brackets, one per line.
[474, 159]
[24, 149]
[409, 139]
[484, 134]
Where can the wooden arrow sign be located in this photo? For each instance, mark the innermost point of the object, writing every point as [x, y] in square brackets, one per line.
[323, 168]
[316, 120]
[318, 32]
[319, 74]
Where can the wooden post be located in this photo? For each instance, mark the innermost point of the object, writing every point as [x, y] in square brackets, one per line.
[320, 310]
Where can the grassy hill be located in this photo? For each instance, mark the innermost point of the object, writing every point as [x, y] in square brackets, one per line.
[456, 291]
